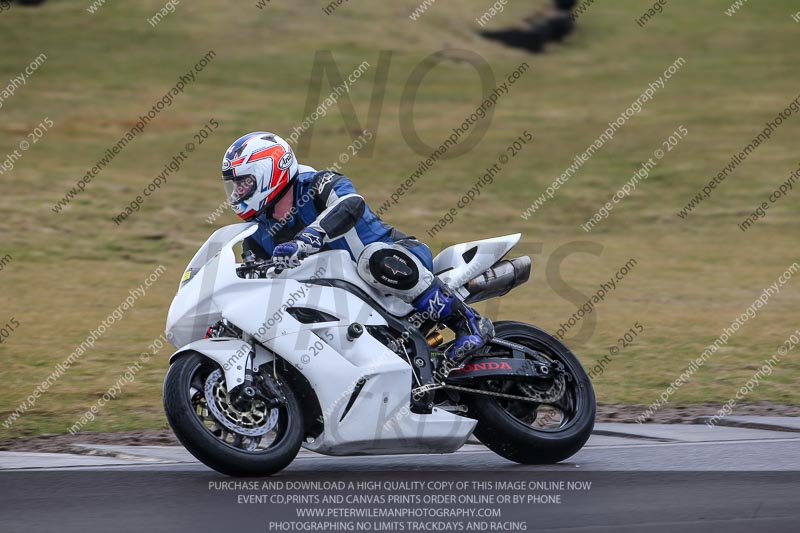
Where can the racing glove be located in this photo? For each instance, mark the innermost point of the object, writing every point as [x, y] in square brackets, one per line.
[290, 254]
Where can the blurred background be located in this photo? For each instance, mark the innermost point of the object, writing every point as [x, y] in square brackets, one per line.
[87, 72]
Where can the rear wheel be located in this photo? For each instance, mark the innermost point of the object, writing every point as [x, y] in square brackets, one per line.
[529, 432]
[253, 440]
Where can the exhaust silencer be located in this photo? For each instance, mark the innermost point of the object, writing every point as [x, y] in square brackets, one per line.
[498, 280]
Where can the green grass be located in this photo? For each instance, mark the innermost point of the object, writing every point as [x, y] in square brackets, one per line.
[694, 276]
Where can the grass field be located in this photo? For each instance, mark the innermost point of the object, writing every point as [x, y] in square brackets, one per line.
[693, 276]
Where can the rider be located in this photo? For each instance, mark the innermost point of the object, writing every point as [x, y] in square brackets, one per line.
[301, 211]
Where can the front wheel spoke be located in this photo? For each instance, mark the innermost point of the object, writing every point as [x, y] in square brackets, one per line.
[220, 431]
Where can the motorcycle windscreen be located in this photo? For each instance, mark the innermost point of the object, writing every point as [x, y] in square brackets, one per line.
[218, 240]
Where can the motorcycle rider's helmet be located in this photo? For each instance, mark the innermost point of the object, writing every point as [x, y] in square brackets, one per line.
[257, 170]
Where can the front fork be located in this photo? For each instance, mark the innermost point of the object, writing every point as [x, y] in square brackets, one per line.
[256, 384]
[244, 394]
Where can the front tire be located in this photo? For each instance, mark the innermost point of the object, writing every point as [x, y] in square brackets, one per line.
[218, 447]
[510, 435]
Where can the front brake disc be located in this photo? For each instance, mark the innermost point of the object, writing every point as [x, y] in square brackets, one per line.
[259, 420]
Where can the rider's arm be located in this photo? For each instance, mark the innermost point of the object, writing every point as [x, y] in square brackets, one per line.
[340, 207]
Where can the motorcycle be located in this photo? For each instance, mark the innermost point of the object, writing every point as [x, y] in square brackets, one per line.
[270, 360]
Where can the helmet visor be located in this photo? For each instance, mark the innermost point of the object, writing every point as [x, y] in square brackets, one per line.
[240, 188]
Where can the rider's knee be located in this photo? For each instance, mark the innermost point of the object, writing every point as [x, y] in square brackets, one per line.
[394, 270]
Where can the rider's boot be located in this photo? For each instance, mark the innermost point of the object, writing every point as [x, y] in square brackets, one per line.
[441, 305]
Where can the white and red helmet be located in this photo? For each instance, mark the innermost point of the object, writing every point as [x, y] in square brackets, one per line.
[257, 170]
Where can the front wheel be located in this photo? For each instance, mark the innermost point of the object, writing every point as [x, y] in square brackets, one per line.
[253, 440]
[535, 433]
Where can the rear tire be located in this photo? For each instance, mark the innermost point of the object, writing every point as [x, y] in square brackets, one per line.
[508, 436]
[216, 454]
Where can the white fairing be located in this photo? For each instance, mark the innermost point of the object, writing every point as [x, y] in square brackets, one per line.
[378, 421]
[231, 354]
[460, 263]
[336, 264]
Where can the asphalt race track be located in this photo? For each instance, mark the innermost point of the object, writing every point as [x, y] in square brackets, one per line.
[744, 480]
